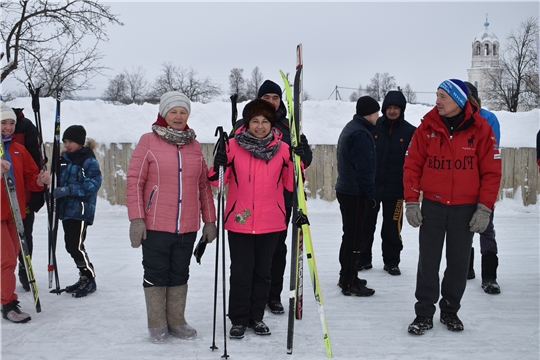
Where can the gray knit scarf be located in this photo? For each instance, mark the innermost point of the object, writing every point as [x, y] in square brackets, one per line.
[258, 147]
[174, 137]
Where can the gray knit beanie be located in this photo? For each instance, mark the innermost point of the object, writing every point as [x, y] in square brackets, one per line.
[173, 99]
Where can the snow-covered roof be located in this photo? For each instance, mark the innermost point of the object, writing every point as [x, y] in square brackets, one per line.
[486, 35]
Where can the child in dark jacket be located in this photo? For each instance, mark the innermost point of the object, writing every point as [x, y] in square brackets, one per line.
[76, 193]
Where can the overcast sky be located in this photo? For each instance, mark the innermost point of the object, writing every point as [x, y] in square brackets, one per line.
[344, 44]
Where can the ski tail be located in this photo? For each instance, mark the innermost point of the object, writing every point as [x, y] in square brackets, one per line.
[19, 226]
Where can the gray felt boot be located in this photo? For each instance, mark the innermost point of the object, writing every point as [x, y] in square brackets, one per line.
[176, 305]
[155, 310]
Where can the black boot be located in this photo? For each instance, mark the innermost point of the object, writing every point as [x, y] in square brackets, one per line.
[490, 262]
[471, 274]
[23, 278]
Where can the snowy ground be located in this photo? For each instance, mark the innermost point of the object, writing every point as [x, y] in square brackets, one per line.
[111, 323]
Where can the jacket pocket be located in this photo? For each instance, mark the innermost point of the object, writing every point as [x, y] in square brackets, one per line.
[149, 202]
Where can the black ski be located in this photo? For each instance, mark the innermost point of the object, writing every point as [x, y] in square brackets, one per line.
[17, 219]
[52, 204]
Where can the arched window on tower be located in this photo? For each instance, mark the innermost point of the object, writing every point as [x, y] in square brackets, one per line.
[495, 50]
[486, 49]
[476, 84]
[478, 50]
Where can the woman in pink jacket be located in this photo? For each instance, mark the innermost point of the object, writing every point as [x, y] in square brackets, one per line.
[167, 194]
[257, 168]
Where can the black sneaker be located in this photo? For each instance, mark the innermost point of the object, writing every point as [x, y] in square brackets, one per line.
[361, 266]
[451, 321]
[471, 275]
[275, 307]
[259, 327]
[360, 281]
[491, 287]
[420, 325]
[357, 289]
[72, 288]
[237, 332]
[392, 269]
[87, 286]
[23, 278]
[12, 313]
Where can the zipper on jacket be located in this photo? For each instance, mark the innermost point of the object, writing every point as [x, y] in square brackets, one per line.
[150, 197]
[179, 204]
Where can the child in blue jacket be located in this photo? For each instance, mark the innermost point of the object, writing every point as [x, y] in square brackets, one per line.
[76, 193]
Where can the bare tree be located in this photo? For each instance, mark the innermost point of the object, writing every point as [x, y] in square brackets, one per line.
[174, 78]
[254, 83]
[380, 85]
[409, 94]
[45, 37]
[356, 94]
[116, 90]
[237, 84]
[137, 86]
[516, 85]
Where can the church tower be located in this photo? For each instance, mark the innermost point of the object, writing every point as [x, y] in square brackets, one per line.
[485, 59]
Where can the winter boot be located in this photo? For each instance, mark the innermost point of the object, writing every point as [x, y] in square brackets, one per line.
[87, 286]
[420, 324]
[237, 331]
[176, 306]
[72, 288]
[357, 289]
[490, 262]
[276, 307]
[12, 313]
[392, 269]
[155, 297]
[451, 321]
[23, 277]
[259, 327]
[471, 274]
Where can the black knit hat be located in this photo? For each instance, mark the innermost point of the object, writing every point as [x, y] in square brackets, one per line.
[75, 133]
[396, 98]
[269, 87]
[259, 107]
[367, 105]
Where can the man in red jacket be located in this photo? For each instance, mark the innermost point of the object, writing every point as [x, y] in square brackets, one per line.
[454, 160]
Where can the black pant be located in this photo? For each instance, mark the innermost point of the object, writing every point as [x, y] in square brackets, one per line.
[353, 210]
[390, 232]
[166, 258]
[74, 237]
[28, 223]
[443, 223]
[279, 261]
[251, 260]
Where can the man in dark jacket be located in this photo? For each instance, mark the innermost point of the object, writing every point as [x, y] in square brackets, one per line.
[392, 135]
[271, 92]
[355, 190]
[26, 134]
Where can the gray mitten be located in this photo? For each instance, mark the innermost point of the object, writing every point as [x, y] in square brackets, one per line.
[413, 214]
[209, 232]
[137, 232]
[480, 219]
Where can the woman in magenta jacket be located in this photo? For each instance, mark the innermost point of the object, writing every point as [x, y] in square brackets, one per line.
[167, 194]
[257, 168]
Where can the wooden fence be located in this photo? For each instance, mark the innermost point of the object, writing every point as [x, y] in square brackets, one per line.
[519, 168]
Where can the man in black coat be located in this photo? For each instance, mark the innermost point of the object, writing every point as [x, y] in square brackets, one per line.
[271, 92]
[392, 135]
[26, 134]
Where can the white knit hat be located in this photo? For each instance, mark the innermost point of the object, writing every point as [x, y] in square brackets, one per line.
[7, 112]
[173, 99]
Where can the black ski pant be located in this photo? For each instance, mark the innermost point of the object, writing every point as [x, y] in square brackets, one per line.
[439, 222]
[251, 260]
[353, 211]
[279, 261]
[28, 223]
[166, 258]
[74, 237]
[392, 223]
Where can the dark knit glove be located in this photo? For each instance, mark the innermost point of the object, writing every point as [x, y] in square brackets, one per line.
[413, 214]
[60, 192]
[209, 232]
[480, 219]
[220, 159]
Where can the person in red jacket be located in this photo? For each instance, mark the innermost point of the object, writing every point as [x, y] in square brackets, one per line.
[453, 160]
[26, 175]
[257, 169]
